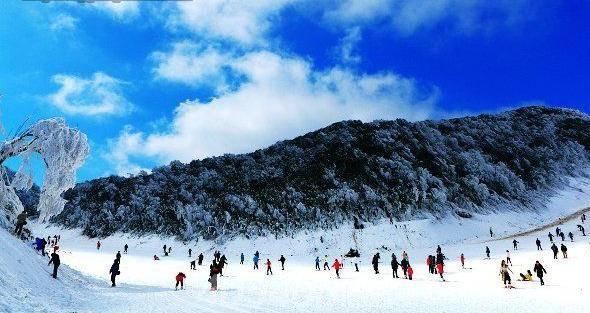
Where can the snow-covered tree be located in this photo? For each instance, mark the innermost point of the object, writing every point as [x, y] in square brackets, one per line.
[62, 149]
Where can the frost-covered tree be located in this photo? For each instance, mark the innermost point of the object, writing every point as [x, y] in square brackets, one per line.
[62, 149]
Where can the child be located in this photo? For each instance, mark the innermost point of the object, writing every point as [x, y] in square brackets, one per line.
[180, 280]
[410, 272]
[268, 267]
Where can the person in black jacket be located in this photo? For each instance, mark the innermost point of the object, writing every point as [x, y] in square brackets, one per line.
[564, 251]
[282, 260]
[394, 265]
[43, 245]
[200, 259]
[555, 250]
[114, 272]
[56, 263]
[488, 252]
[375, 262]
[540, 270]
[538, 242]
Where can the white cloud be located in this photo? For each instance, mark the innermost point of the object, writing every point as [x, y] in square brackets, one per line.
[282, 97]
[348, 44]
[63, 22]
[119, 10]
[191, 64]
[99, 95]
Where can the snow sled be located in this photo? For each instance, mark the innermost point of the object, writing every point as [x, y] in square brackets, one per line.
[352, 253]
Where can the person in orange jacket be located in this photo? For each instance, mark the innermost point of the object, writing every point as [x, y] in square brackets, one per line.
[268, 267]
[410, 272]
[180, 280]
[337, 266]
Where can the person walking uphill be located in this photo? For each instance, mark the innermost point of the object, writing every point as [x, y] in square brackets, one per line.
[564, 251]
[540, 270]
[268, 267]
[180, 280]
[21, 220]
[555, 250]
[375, 262]
[56, 262]
[114, 272]
[337, 266]
[515, 244]
[282, 260]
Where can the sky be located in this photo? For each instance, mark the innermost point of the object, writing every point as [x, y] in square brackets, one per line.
[150, 82]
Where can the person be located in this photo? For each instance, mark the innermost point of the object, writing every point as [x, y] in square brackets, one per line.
[557, 231]
[515, 244]
[222, 262]
[169, 250]
[583, 218]
[571, 235]
[336, 265]
[200, 259]
[411, 272]
[114, 271]
[326, 265]
[462, 260]
[165, 250]
[282, 260]
[156, 258]
[564, 251]
[555, 250]
[562, 235]
[508, 260]
[404, 264]
[213, 271]
[55, 248]
[405, 256]
[527, 276]
[190, 252]
[394, 265]
[242, 258]
[538, 242]
[56, 262]
[504, 273]
[125, 248]
[217, 255]
[438, 249]
[317, 263]
[550, 237]
[180, 280]
[21, 221]
[118, 256]
[43, 245]
[540, 270]
[98, 245]
[429, 264]
[488, 252]
[375, 262]
[581, 228]
[255, 259]
[491, 232]
[268, 267]
[440, 265]
[193, 265]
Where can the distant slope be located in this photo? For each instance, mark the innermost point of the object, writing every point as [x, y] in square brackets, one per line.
[349, 171]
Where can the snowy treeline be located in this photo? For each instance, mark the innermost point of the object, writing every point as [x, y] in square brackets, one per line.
[349, 171]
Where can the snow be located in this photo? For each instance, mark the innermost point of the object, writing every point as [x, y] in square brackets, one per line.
[148, 286]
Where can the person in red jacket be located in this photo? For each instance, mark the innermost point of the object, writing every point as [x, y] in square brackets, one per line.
[268, 267]
[180, 280]
[337, 266]
[429, 263]
[410, 272]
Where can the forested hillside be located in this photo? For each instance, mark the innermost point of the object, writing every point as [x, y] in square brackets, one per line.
[348, 171]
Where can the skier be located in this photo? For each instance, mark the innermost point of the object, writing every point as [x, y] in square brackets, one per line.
[564, 251]
[242, 258]
[394, 265]
[268, 267]
[337, 267]
[317, 263]
[326, 266]
[504, 273]
[488, 252]
[538, 242]
[98, 245]
[56, 262]
[180, 280]
[540, 270]
[550, 237]
[222, 262]
[114, 271]
[193, 265]
[571, 235]
[491, 232]
[508, 260]
[440, 265]
[255, 260]
[282, 260]
[190, 252]
[21, 220]
[555, 250]
[375, 262]
[462, 260]
[213, 271]
[404, 264]
[515, 244]
[125, 248]
[200, 259]
[410, 272]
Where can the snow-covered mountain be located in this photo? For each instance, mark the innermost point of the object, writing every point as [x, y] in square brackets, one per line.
[347, 172]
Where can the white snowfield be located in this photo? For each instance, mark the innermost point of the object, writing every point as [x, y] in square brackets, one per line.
[146, 285]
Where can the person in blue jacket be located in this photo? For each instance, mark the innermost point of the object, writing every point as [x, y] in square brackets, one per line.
[317, 263]
[255, 259]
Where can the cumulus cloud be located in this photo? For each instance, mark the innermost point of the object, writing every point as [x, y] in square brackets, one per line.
[119, 10]
[63, 22]
[101, 94]
[347, 48]
[282, 97]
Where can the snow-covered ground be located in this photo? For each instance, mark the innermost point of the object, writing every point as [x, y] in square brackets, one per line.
[148, 286]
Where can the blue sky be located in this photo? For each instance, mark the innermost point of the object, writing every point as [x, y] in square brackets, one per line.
[151, 82]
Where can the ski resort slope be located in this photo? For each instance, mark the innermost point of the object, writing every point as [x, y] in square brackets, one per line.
[146, 285]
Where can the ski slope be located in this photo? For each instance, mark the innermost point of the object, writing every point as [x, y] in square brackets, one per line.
[148, 286]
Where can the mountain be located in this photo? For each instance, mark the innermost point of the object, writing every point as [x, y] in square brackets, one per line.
[347, 172]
